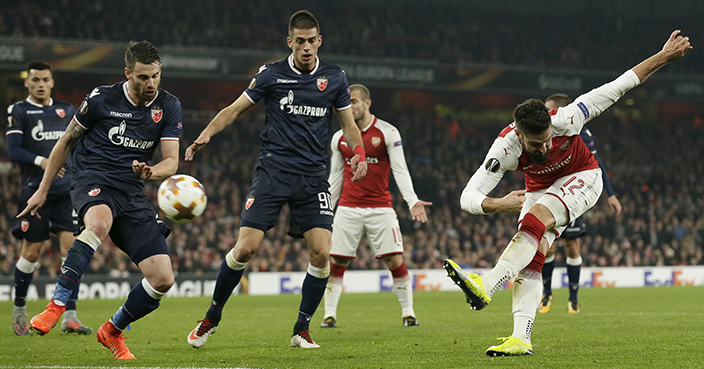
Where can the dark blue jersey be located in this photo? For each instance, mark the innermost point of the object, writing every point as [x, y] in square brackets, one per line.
[299, 109]
[118, 131]
[33, 130]
[586, 136]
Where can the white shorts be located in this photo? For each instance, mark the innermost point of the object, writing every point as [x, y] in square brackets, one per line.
[567, 199]
[380, 225]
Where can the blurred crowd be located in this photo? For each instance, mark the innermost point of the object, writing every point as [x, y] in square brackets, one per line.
[655, 170]
[443, 31]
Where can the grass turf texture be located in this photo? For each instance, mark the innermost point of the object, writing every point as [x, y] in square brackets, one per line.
[624, 327]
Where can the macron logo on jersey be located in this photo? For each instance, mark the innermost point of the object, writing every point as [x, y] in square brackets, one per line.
[286, 104]
[120, 115]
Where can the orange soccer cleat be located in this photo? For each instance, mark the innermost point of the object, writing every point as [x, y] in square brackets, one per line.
[112, 338]
[45, 321]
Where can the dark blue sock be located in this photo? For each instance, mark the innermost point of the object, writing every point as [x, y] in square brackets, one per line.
[22, 282]
[77, 261]
[312, 293]
[138, 305]
[71, 304]
[573, 279]
[547, 278]
[227, 280]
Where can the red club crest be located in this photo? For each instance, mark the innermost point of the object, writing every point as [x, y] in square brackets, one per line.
[24, 224]
[376, 140]
[322, 83]
[157, 114]
[60, 112]
[94, 192]
[249, 203]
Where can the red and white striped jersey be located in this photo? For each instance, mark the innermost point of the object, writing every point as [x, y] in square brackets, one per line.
[384, 151]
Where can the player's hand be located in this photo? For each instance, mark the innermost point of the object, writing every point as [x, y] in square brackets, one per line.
[359, 169]
[33, 204]
[142, 169]
[615, 204]
[45, 163]
[513, 202]
[195, 146]
[676, 46]
[418, 211]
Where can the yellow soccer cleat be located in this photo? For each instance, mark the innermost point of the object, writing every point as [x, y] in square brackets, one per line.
[512, 346]
[573, 307]
[471, 285]
[545, 304]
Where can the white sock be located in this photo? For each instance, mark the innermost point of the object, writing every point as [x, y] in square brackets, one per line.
[25, 266]
[517, 255]
[333, 291]
[527, 292]
[404, 290]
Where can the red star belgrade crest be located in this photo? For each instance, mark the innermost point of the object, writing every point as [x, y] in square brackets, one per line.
[25, 225]
[60, 112]
[249, 203]
[157, 114]
[322, 83]
[94, 192]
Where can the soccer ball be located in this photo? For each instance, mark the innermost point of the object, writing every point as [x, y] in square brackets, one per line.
[182, 198]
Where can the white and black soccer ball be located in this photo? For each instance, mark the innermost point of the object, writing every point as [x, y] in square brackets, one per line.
[182, 198]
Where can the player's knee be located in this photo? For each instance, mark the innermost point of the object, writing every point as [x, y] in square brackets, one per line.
[31, 252]
[100, 228]
[162, 282]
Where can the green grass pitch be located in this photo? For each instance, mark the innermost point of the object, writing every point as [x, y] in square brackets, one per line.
[618, 327]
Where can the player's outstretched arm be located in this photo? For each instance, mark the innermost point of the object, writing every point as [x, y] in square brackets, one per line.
[224, 118]
[675, 48]
[55, 163]
[354, 139]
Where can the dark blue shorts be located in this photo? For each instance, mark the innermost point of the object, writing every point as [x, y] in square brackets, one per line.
[135, 222]
[575, 229]
[57, 215]
[308, 199]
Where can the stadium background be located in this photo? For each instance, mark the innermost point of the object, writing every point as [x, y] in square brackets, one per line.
[447, 73]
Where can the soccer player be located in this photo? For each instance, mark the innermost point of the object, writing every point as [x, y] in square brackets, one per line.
[563, 180]
[575, 229]
[300, 93]
[113, 136]
[34, 125]
[365, 206]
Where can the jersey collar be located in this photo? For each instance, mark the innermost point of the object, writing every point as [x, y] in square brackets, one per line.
[293, 66]
[371, 123]
[129, 98]
[29, 100]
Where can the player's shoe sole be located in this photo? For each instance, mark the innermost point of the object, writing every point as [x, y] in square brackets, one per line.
[545, 304]
[329, 322]
[45, 321]
[19, 321]
[410, 321]
[302, 339]
[112, 338]
[470, 284]
[200, 334]
[512, 346]
[573, 307]
[75, 326]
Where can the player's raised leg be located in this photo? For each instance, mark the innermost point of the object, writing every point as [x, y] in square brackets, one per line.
[313, 288]
[98, 220]
[24, 272]
[229, 277]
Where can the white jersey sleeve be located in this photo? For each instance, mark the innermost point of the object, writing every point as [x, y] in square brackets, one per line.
[397, 160]
[337, 169]
[569, 120]
[502, 156]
